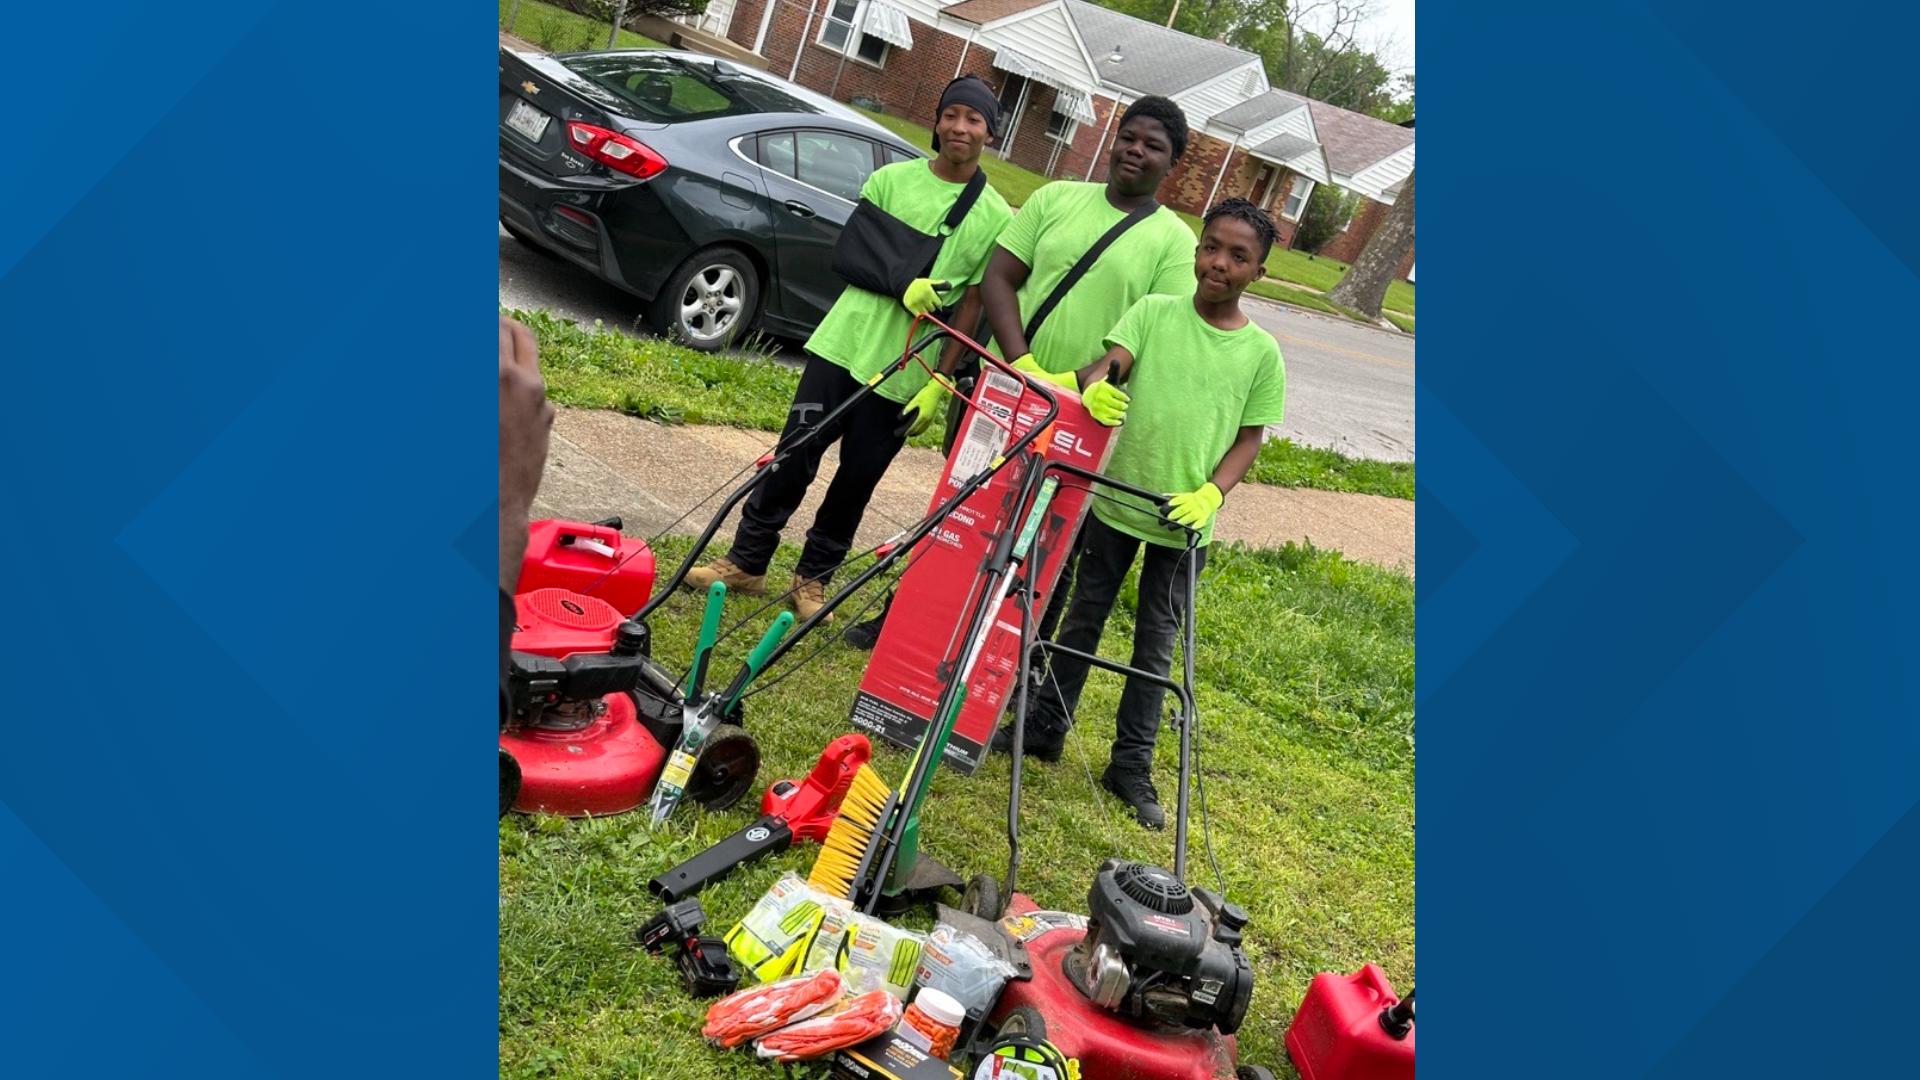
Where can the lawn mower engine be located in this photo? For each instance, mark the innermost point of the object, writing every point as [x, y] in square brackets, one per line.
[1156, 950]
[1151, 985]
[591, 717]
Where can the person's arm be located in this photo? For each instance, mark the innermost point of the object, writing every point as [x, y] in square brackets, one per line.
[1000, 292]
[526, 423]
[1114, 367]
[1238, 460]
[964, 320]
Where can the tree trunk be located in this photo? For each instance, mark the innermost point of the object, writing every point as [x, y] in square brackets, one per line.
[619, 16]
[1365, 283]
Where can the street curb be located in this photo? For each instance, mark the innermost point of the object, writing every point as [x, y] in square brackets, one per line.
[1338, 320]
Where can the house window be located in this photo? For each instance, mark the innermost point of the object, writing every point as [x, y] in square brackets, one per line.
[838, 27]
[1060, 126]
[1297, 198]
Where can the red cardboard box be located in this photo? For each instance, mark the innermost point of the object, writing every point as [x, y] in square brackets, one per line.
[919, 646]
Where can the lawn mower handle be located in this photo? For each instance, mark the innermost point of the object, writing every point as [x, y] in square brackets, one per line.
[782, 452]
[933, 520]
[1188, 714]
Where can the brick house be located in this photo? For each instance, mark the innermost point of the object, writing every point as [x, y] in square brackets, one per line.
[1065, 70]
[1370, 158]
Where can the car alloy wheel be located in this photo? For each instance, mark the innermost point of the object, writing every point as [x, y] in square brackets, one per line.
[712, 303]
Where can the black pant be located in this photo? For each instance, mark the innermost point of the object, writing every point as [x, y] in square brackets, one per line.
[1103, 557]
[868, 439]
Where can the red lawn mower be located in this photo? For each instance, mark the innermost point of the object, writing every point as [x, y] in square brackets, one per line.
[1150, 984]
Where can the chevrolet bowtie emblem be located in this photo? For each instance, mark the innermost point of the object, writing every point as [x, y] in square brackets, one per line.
[529, 87]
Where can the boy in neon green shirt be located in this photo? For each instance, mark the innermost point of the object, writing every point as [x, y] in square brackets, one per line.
[1061, 222]
[1202, 382]
[1065, 218]
[862, 334]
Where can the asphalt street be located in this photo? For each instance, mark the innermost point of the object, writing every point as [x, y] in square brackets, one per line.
[1349, 387]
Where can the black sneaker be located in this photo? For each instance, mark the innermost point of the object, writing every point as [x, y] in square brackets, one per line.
[1043, 745]
[1136, 790]
[866, 635]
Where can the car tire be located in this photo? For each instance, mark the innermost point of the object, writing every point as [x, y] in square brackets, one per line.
[709, 302]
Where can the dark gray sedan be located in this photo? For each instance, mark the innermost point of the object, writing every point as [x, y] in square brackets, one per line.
[712, 191]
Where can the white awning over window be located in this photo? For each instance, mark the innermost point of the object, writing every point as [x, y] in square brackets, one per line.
[889, 24]
[1073, 100]
[1075, 104]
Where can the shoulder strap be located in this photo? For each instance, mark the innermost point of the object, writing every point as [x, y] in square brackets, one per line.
[1085, 264]
[968, 197]
[955, 215]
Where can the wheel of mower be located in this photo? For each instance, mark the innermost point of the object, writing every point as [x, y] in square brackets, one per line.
[982, 899]
[1253, 1072]
[1024, 1022]
[725, 770]
[509, 782]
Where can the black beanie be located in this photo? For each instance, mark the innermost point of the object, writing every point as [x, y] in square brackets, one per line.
[973, 92]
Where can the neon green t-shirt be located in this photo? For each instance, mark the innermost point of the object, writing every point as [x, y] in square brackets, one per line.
[1194, 387]
[865, 331]
[1057, 226]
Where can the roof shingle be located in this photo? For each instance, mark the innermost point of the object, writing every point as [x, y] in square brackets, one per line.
[1258, 110]
[1354, 141]
[1283, 147]
[1155, 59]
[982, 12]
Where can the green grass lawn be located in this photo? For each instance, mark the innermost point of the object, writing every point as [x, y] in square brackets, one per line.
[1287, 294]
[1305, 687]
[1284, 464]
[655, 379]
[559, 30]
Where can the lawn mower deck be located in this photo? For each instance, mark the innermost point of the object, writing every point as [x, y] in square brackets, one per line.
[1046, 1005]
[582, 752]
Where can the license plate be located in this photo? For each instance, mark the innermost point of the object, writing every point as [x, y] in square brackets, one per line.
[528, 121]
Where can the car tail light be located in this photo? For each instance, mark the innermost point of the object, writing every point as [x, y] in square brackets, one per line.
[615, 150]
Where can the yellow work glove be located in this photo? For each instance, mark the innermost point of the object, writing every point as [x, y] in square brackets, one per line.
[1059, 378]
[926, 404]
[1195, 508]
[1107, 403]
[922, 295]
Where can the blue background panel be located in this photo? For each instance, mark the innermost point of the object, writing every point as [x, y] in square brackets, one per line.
[1670, 761]
[245, 277]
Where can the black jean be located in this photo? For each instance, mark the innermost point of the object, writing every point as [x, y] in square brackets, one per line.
[1103, 557]
[869, 440]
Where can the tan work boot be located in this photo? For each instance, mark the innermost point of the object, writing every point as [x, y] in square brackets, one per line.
[809, 596]
[701, 578]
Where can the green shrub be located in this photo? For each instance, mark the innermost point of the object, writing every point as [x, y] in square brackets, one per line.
[1328, 210]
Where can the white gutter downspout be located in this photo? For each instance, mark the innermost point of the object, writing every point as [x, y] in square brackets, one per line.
[968, 44]
[805, 33]
[1224, 162]
[766, 22]
[1100, 145]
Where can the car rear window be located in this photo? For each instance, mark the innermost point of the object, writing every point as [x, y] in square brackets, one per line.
[667, 89]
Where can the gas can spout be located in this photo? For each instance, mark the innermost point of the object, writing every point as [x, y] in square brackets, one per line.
[1397, 1019]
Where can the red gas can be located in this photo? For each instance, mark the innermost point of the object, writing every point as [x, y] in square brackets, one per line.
[594, 560]
[1340, 1034]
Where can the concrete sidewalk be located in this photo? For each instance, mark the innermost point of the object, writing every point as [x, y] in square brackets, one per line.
[603, 463]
